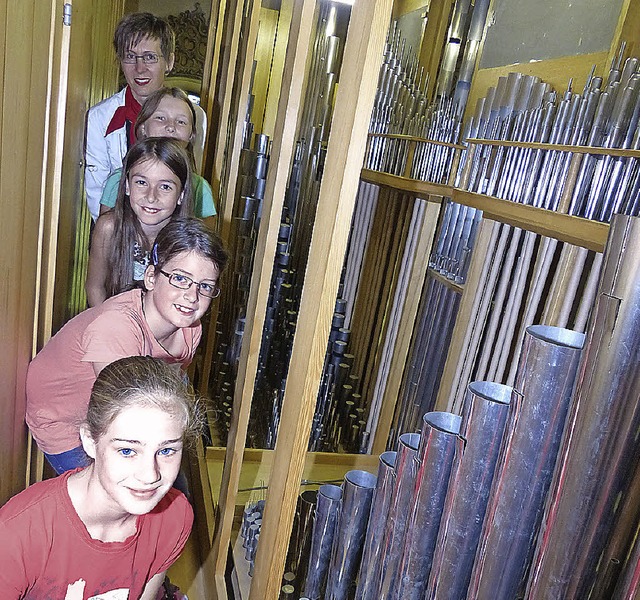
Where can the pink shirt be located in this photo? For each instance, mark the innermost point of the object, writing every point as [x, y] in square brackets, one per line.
[47, 551]
[60, 377]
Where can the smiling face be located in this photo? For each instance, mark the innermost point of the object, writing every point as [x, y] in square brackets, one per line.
[172, 119]
[168, 308]
[136, 460]
[143, 79]
[154, 192]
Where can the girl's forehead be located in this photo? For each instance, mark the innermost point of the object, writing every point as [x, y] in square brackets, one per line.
[176, 105]
[146, 424]
[192, 262]
[147, 163]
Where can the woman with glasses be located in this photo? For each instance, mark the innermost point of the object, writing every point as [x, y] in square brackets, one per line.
[145, 45]
[162, 320]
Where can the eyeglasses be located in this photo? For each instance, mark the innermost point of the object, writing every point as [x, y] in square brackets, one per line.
[182, 282]
[148, 58]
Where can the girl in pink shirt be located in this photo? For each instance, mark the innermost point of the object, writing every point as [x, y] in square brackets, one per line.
[162, 321]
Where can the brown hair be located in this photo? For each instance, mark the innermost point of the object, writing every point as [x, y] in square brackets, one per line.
[135, 27]
[188, 235]
[143, 381]
[127, 229]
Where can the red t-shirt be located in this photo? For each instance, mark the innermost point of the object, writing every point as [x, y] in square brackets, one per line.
[60, 377]
[46, 551]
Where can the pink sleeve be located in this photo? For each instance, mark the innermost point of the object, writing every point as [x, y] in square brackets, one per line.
[112, 336]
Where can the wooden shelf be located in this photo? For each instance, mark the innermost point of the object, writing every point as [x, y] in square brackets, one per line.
[421, 189]
[456, 287]
[624, 152]
[566, 228]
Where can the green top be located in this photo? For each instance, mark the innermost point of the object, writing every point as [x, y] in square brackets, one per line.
[203, 205]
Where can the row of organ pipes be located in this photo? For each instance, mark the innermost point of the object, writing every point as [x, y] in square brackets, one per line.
[525, 278]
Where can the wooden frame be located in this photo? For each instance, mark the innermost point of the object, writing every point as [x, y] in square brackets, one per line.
[281, 156]
[354, 102]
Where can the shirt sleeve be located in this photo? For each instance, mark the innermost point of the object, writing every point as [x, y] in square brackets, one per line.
[110, 191]
[203, 196]
[111, 336]
[97, 165]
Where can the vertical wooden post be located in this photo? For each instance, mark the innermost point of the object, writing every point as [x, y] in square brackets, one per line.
[277, 177]
[347, 141]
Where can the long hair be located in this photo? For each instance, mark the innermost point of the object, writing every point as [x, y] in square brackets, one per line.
[143, 381]
[150, 106]
[127, 229]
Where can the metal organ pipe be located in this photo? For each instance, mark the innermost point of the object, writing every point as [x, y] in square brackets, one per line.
[484, 418]
[438, 441]
[351, 527]
[372, 558]
[545, 378]
[600, 448]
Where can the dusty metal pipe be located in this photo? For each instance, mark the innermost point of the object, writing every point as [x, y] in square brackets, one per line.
[324, 524]
[484, 417]
[438, 441]
[545, 378]
[371, 565]
[351, 528]
[600, 448]
[405, 475]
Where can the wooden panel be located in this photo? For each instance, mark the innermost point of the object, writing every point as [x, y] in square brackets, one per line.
[277, 69]
[27, 29]
[434, 39]
[628, 30]
[256, 469]
[432, 191]
[277, 177]
[264, 58]
[345, 151]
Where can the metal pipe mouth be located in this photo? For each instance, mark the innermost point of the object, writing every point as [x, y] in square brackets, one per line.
[412, 440]
[328, 490]
[443, 421]
[362, 479]
[309, 496]
[557, 335]
[389, 458]
[495, 392]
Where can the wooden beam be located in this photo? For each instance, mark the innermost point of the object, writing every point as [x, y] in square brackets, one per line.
[566, 228]
[277, 178]
[433, 40]
[424, 189]
[345, 153]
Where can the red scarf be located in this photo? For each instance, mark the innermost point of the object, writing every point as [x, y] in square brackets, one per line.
[125, 114]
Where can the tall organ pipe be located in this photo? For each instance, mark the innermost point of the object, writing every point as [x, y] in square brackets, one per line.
[600, 447]
[438, 441]
[324, 526]
[545, 378]
[484, 417]
[346, 553]
[406, 471]
[371, 566]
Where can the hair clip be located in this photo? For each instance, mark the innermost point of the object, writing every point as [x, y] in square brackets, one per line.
[154, 254]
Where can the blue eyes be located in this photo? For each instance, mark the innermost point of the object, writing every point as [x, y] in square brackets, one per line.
[129, 452]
